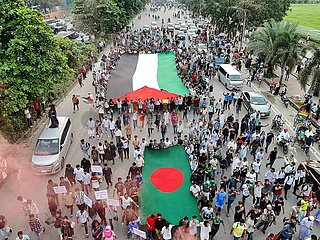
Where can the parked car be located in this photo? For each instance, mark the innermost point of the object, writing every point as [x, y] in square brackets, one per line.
[312, 168]
[177, 26]
[192, 33]
[184, 27]
[52, 147]
[202, 47]
[146, 27]
[181, 35]
[254, 101]
[170, 27]
[154, 25]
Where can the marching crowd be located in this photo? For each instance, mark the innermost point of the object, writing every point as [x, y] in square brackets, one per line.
[225, 155]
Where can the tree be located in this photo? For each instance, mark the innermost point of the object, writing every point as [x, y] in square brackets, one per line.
[276, 43]
[289, 48]
[97, 17]
[32, 64]
[226, 15]
[311, 71]
[103, 17]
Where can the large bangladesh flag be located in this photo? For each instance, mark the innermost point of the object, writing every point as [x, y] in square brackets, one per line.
[156, 72]
[166, 184]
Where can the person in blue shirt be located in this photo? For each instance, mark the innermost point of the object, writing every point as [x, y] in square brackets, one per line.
[133, 224]
[232, 195]
[220, 197]
[287, 231]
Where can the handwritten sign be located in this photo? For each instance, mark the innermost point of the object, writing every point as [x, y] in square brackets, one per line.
[113, 202]
[88, 201]
[139, 233]
[60, 189]
[96, 168]
[100, 195]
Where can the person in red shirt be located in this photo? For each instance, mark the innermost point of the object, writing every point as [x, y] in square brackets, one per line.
[141, 118]
[151, 226]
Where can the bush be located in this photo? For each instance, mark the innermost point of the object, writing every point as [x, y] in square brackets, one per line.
[13, 127]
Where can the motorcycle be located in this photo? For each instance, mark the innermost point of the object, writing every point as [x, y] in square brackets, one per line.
[277, 123]
[284, 143]
[285, 100]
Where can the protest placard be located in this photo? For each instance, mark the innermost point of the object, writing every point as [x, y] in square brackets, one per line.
[139, 233]
[96, 169]
[113, 202]
[100, 195]
[60, 189]
[87, 201]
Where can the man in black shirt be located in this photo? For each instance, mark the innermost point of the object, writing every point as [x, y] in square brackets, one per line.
[107, 173]
[272, 157]
[133, 170]
[269, 139]
[86, 165]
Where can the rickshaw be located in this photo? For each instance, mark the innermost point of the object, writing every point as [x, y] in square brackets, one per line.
[302, 116]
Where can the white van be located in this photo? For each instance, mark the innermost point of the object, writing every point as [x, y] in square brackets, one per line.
[52, 147]
[230, 77]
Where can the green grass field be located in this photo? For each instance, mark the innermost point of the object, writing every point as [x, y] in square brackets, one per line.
[307, 15]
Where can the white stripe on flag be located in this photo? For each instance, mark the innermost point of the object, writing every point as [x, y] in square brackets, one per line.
[146, 72]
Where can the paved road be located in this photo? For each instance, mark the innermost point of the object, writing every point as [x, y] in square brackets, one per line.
[34, 187]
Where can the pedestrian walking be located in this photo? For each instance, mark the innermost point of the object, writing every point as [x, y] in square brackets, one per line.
[75, 103]
[83, 217]
[35, 226]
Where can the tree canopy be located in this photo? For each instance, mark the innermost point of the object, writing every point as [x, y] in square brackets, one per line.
[227, 14]
[277, 43]
[31, 62]
[34, 63]
[103, 17]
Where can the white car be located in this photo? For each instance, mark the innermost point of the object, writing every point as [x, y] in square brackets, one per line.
[202, 47]
[170, 27]
[190, 22]
[154, 25]
[177, 26]
[192, 33]
[146, 27]
[184, 27]
[181, 35]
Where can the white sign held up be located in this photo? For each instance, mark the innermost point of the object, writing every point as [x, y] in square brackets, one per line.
[96, 168]
[60, 189]
[100, 195]
[88, 201]
[113, 202]
[139, 233]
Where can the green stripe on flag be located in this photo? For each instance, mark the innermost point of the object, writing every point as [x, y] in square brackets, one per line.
[172, 205]
[168, 78]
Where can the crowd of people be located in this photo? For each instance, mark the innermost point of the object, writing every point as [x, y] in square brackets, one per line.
[225, 153]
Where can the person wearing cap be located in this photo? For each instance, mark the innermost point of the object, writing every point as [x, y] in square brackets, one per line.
[108, 234]
[306, 226]
[267, 218]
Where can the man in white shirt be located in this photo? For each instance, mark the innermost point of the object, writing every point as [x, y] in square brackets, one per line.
[140, 162]
[78, 173]
[284, 134]
[118, 134]
[195, 190]
[179, 129]
[260, 155]
[83, 217]
[256, 167]
[251, 176]
[166, 231]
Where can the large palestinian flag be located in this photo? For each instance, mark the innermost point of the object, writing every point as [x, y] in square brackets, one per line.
[156, 72]
[166, 184]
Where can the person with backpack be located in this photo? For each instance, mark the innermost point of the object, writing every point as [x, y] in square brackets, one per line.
[267, 218]
[84, 146]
